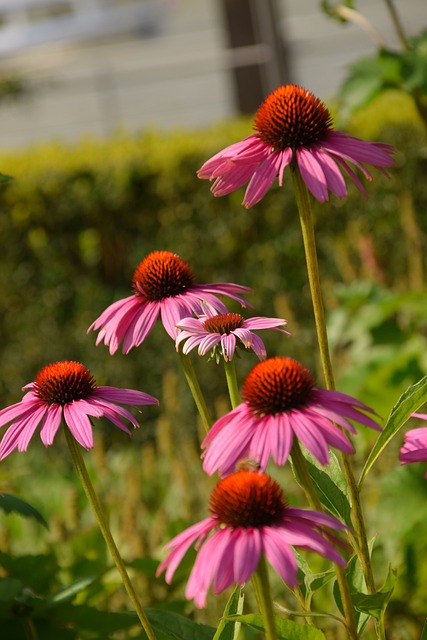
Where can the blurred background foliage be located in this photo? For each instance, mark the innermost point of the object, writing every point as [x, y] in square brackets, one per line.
[75, 222]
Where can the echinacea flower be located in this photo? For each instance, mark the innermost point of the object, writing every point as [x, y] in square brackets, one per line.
[414, 448]
[163, 286]
[293, 127]
[280, 403]
[227, 330]
[249, 517]
[66, 391]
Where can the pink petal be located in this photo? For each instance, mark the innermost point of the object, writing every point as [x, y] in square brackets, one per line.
[79, 425]
[262, 179]
[280, 555]
[312, 174]
[51, 423]
[126, 396]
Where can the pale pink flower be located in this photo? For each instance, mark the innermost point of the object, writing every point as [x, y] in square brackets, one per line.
[249, 518]
[66, 391]
[280, 403]
[294, 128]
[414, 448]
[227, 330]
[163, 287]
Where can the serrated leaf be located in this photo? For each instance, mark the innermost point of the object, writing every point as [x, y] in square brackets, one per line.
[411, 400]
[230, 629]
[331, 487]
[285, 629]
[12, 504]
[318, 580]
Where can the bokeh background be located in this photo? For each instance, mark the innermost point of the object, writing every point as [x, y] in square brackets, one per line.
[103, 125]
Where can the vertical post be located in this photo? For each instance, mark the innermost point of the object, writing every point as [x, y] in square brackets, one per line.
[258, 58]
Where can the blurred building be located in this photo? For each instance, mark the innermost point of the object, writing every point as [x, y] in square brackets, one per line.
[81, 67]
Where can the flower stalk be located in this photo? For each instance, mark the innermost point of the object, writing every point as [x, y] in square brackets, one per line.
[196, 391]
[233, 389]
[83, 474]
[261, 585]
[307, 228]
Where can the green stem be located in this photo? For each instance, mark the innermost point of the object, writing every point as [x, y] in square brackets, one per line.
[306, 482]
[261, 585]
[397, 24]
[233, 389]
[196, 392]
[307, 227]
[105, 530]
[29, 629]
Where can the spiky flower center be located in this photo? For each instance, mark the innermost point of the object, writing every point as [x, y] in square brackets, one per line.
[277, 385]
[162, 274]
[292, 117]
[248, 499]
[223, 323]
[63, 382]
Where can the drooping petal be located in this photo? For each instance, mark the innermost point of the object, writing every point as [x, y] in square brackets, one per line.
[140, 326]
[79, 425]
[51, 423]
[311, 438]
[280, 555]
[262, 179]
[334, 178]
[312, 174]
[125, 396]
[247, 552]
[180, 545]
[21, 431]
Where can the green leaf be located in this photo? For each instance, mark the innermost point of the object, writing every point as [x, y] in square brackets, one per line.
[175, 627]
[411, 400]
[368, 78]
[331, 487]
[4, 178]
[424, 631]
[68, 593]
[12, 504]
[285, 629]
[9, 589]
[230, 629]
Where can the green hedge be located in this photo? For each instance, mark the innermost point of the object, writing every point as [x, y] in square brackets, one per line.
[76, 221]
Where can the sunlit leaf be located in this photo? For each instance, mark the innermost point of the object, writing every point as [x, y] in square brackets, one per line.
[331, 487]
[69, 592]
[229, 629]
[285, 629]
[411, 400]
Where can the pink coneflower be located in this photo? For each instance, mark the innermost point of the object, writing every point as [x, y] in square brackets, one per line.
[280, 402]
[249, 517]
[414, 448]
[163, 286]
[293, 127]
[227, 330]
[66, 391]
